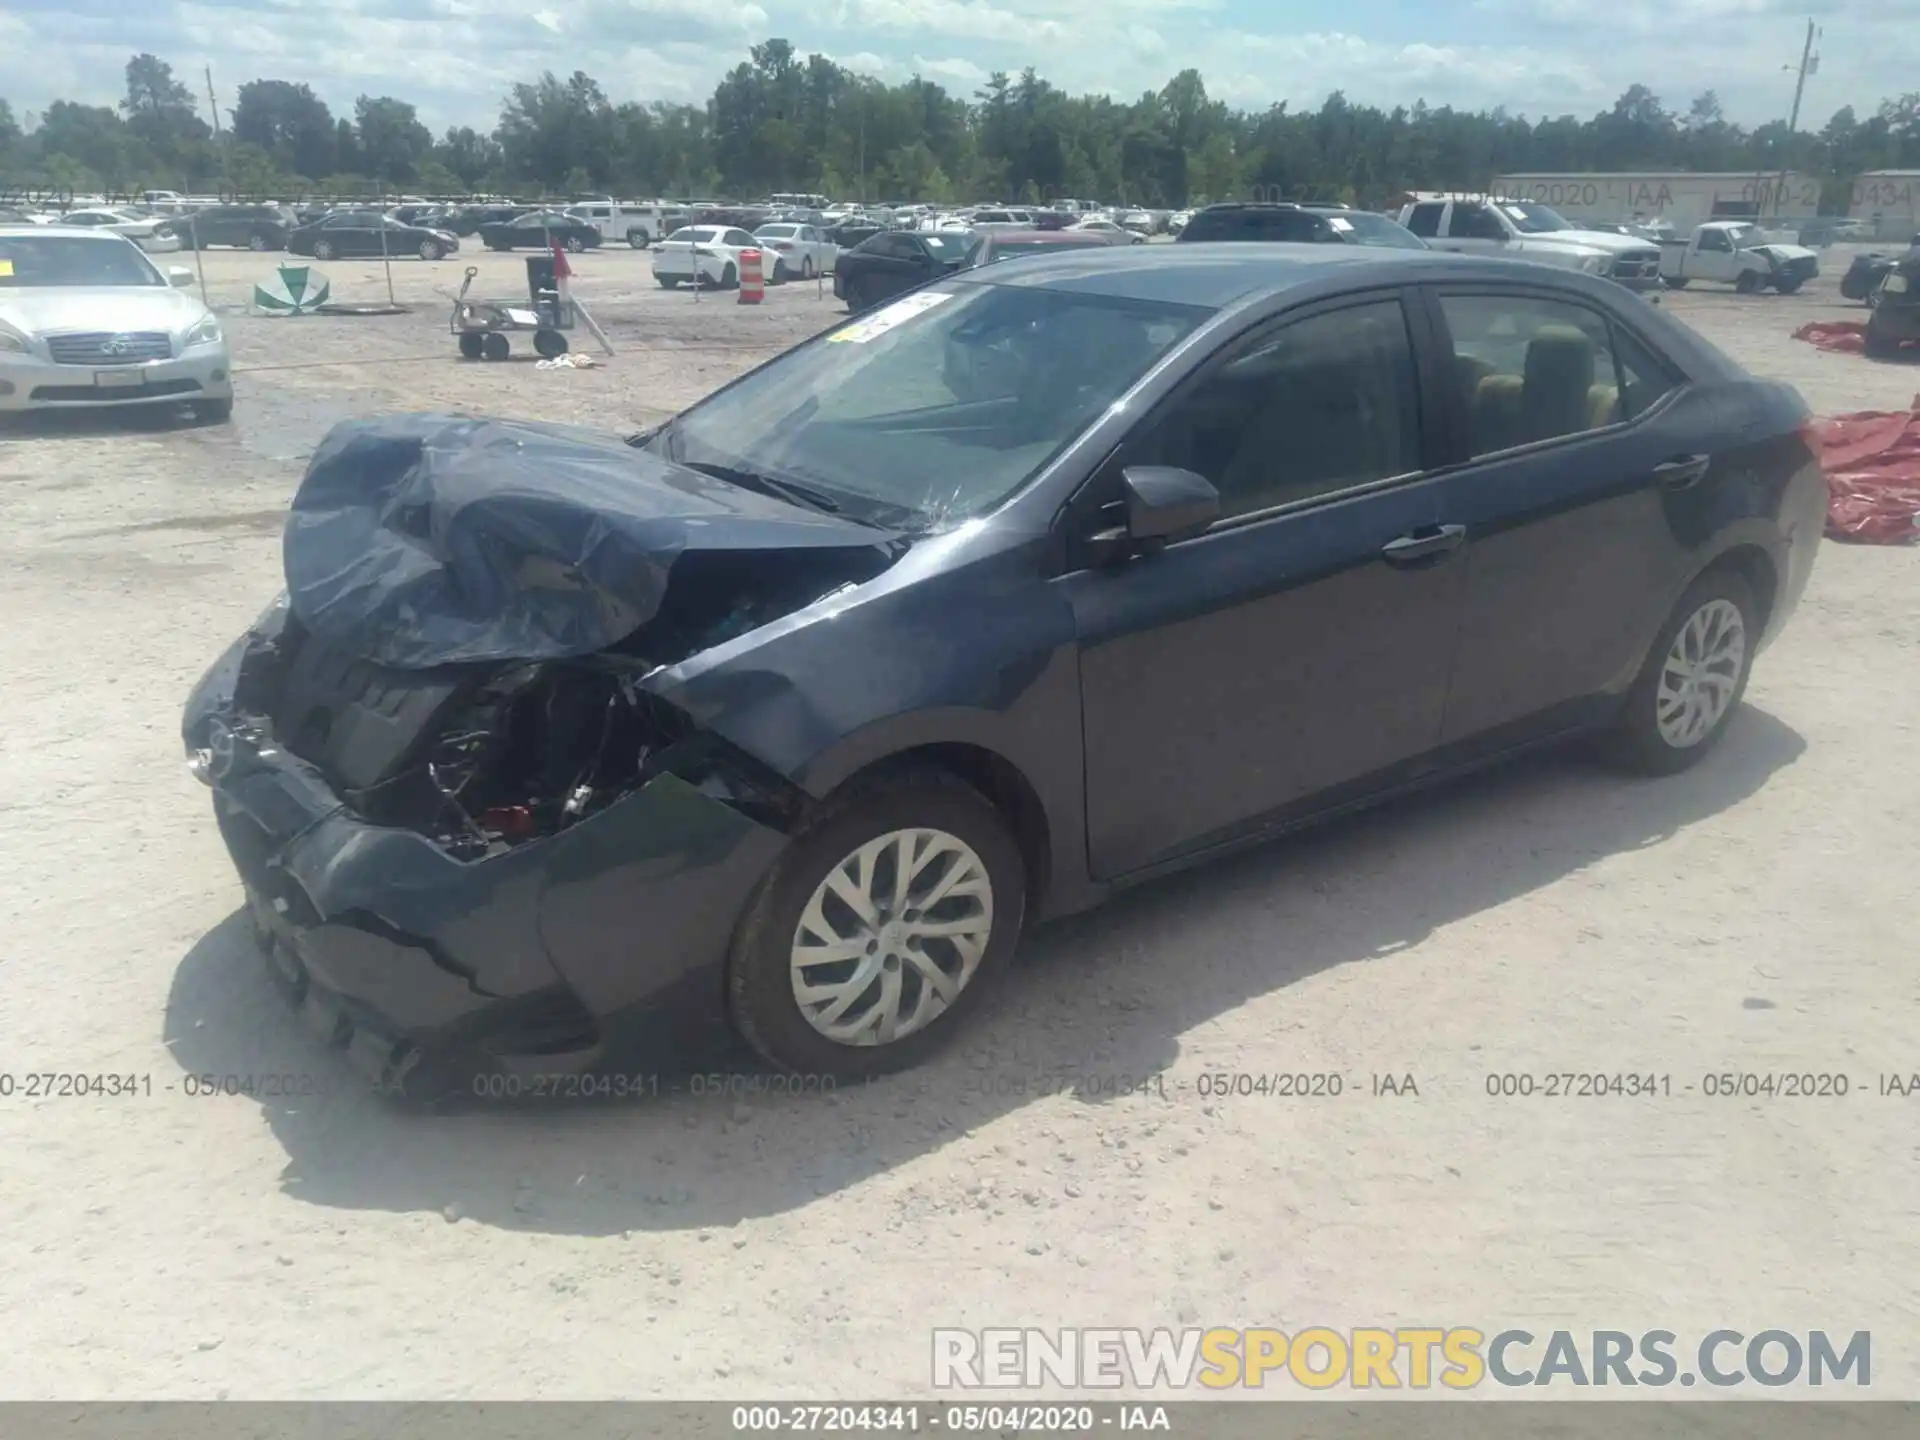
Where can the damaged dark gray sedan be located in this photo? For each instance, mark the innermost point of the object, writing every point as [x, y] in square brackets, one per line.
[782, 720]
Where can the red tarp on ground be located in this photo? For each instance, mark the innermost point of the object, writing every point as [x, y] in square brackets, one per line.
[1872, 464]
[1843, 337]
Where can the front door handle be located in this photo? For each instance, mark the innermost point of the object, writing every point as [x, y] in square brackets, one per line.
[1682, 471]
[1425, 544]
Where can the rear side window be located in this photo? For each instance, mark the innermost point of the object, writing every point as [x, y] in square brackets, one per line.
[1530, 369]
[1425, 219]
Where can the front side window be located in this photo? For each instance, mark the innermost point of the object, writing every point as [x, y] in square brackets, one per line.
[1321, 405]
[1474, 222]
[1715, 240]
[1533, 369]
[937, 406]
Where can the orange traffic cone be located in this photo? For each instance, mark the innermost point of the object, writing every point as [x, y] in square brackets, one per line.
[753, 288]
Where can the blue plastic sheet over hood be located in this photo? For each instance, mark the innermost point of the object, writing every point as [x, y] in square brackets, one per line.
[423, 540]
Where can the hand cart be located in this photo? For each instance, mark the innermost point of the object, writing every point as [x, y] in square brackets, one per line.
[483, 325]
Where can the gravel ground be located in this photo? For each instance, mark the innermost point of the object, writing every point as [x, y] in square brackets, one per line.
[1752, 915]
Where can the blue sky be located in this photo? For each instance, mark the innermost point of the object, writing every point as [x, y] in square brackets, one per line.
[455, 58]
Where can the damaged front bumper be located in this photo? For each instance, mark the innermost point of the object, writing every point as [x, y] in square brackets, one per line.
[603, 945]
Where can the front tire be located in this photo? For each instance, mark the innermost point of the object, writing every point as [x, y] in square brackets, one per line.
[638, 239]
[429, 250]
[1693, 679]
[1747, 282]
[256, 242]
[667, 282]
[843, 967]
[470, 345]
[495, 346]
[729, 279]
[213, 412]
[806, 268]
[575, 244]
[1787, 287]
[1679, 282]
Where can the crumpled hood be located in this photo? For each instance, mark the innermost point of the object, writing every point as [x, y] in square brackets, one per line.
[1784, 253]
[423, 540]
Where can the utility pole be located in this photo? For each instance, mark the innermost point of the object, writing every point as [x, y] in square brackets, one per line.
[1809, 63]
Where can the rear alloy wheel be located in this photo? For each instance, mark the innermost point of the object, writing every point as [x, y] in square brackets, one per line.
[1693, 678]
[882, 926]
[638, 239]
[429, 250]
[256, 241]
[575, 244]
[323, 249]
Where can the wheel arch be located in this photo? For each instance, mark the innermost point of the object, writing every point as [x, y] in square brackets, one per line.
[1000, 782]
[1754, 564]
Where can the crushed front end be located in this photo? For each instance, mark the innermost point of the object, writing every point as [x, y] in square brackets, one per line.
[482, 869]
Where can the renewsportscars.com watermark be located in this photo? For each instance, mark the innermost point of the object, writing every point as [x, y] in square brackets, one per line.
[1460, 1358]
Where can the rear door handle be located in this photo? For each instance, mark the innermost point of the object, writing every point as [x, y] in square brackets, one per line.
[1424, 544]
[1682, 471]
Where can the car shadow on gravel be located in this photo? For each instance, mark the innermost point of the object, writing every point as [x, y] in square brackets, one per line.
[156, 419]
[1098, 1002]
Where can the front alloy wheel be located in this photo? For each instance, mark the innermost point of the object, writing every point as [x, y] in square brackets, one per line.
[884, 923]
[891, 937]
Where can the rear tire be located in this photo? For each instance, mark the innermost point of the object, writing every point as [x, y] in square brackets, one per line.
[429, 250]
[1787, 287]
[1679, 283]
[323, 249]
[807, 271]
[575, 244]
[1878, 346]
[638, 239]
[470, 347]
[729, 279]
[1654, 733]
[549, 343]
[761, 965]
[667, 282]
[256, 242]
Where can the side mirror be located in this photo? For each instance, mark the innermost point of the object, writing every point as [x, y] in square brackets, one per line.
[1165, 503]
[179, 277]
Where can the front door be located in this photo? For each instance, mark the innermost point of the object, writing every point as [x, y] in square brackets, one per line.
[1303, 644]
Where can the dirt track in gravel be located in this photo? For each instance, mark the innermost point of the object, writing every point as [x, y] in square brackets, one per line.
[1755, 914]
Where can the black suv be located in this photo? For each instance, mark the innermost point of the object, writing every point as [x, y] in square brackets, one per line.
[251, 227]
[1300, 224]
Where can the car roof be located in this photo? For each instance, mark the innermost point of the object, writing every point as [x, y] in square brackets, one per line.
[1045, 237]
[1217, 274]
[82, 232]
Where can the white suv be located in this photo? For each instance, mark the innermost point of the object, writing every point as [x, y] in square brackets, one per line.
[639, 225]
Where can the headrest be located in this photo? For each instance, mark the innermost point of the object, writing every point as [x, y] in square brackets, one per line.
[1560, 357]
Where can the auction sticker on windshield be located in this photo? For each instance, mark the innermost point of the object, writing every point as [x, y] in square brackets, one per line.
[882, 321]
[6, 268]
[1338, 224]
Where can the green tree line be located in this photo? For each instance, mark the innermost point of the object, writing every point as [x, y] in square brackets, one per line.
[778, 121]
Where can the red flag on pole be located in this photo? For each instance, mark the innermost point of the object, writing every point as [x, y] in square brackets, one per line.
[561, 270]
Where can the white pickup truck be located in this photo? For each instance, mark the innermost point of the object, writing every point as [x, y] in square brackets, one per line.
[1525, 230]
[1737, 254]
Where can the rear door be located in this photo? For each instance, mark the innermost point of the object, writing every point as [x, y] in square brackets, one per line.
[1573, 484]
[1299, 651]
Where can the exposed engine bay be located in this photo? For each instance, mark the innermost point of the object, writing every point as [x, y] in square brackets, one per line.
[486, 756]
